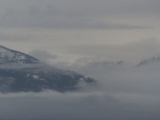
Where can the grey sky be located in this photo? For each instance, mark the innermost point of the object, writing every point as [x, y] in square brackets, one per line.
[86, 15]
[53, 25]
[132, 52]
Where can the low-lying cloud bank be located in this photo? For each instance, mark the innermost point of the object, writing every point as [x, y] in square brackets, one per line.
[79, 106]
[122, 93]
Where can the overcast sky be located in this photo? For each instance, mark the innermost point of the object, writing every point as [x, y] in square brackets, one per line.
[64, 27]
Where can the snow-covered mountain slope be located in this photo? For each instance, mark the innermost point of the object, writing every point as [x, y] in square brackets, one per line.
[21, 72]
[39, 78]
[151, 60]
[96, 63]
[90, 66]
[12, 56]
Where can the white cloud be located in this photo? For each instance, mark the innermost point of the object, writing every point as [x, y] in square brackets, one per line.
[42, 55]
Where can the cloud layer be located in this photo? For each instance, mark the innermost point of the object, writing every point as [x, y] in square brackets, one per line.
[132, 52]
[74, 15]
[122, 93]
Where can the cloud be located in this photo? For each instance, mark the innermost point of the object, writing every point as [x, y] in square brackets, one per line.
[122, 92]
[52, 16]
[16, 37]
[42, 55]
[89, 7]
[133, 51]
[79, 105]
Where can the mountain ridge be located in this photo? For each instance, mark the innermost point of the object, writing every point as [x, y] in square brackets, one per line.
[12, 56]
[155, 59]
[20, 72]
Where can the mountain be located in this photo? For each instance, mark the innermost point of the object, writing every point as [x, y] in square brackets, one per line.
[91, 66]
[15, 57]
[96, 62]
[21, 72]
[149, 61]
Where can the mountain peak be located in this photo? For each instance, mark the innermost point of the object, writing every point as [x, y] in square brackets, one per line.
[95, 62]
[8, 56]
[36, 77]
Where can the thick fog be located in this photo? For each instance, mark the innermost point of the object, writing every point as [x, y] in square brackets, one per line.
[122, 92]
